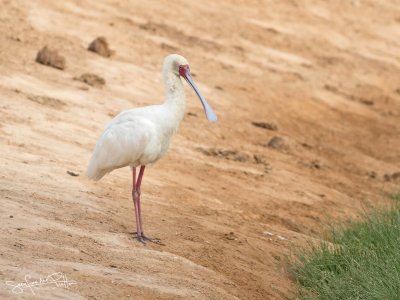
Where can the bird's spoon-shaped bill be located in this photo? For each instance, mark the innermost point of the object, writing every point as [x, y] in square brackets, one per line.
[211, 116]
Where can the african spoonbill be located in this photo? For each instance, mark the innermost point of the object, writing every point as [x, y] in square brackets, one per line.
[141, 136]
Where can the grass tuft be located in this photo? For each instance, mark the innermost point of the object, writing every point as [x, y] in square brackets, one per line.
[361, 262]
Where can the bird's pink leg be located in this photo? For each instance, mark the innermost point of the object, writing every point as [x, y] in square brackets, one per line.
[136, 203]
[142, 237]
[138, 184]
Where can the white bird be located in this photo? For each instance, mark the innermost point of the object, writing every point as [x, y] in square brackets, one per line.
[141, 136]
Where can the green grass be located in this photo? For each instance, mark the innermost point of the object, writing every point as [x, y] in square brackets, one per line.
[361, 262]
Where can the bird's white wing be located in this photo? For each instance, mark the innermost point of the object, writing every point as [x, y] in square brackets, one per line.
[122, 143]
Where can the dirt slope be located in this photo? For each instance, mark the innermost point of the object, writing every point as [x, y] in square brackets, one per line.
[326, 74]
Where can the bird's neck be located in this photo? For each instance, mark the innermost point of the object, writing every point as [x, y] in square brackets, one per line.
[176, 97]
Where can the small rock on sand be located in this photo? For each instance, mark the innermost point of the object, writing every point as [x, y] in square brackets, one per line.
[278, 143]
[72, 173]
[50, 58]
[259, 159]
[396, 176]
[227, 154]
[389, 177]
[100, 46]
[241, 156]
[92, 79]
[230, 236]
[366, 101]
[315, 164]
[266, 125]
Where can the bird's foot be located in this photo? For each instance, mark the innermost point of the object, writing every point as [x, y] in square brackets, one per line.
[142, 238]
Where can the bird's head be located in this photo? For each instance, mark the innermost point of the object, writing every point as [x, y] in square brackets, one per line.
[179, 66]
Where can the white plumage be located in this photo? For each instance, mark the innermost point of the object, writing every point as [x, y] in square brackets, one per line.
[133, 138]
[141, 136]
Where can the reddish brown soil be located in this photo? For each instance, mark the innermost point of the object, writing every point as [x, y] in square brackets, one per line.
[325, 73]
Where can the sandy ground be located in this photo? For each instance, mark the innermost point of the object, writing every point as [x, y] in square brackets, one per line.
[326, 73]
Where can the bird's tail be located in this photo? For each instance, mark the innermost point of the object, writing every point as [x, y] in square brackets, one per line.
[94, 173]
